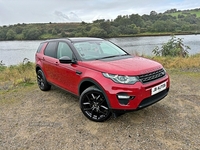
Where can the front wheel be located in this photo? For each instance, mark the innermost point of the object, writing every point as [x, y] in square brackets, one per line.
[93, 105]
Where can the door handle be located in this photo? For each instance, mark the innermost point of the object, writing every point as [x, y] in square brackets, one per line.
[78, 72]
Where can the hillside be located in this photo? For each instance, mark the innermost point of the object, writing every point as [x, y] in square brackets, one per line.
[170, 22]
[176, 13]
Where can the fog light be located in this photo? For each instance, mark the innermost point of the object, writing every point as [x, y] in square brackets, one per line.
[123, 97]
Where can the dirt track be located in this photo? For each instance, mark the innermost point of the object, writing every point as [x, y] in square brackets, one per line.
[32, 119]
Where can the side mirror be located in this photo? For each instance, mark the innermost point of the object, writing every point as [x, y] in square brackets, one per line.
[65, 60]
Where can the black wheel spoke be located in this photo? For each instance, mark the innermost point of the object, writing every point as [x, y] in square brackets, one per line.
[104, 107]
[92, 113]
[87, 97]
[86, 103]
[93, 96]
[39, 80]
[104, 113]
[97, 97]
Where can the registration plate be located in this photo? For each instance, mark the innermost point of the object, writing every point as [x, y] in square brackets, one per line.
[158, 88]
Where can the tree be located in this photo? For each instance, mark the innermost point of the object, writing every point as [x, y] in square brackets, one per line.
[122, 20]
[18, 30]
[114, 32]
[96, 32]
[63, 34]
[32, 34]
[106, 26]
[153, 13]
[137, 20]
[2, 34]
[99, 21]
[10, 35]
[191, 19]
[54, 32]
[159, 26]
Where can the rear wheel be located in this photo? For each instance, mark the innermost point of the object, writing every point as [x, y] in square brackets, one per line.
[42, 82]
[93, 105]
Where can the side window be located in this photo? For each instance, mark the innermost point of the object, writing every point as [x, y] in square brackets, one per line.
[51, 49]
[64, 50]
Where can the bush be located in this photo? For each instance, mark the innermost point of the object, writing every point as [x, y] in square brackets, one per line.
[174, 47]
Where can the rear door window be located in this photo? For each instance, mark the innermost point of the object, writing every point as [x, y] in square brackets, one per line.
[51, 49]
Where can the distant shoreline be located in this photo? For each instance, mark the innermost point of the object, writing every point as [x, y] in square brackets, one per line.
[120, 36]
[155, 34]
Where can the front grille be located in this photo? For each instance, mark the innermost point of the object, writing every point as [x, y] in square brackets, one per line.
[152, 76]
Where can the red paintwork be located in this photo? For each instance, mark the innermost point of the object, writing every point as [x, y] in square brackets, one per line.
[130, 66]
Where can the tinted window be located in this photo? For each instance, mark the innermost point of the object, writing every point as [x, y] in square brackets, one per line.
[40, 47]
[51, 49]
[64, 50]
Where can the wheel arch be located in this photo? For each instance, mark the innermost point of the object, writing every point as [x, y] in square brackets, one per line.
[88, 82]
[37, 67]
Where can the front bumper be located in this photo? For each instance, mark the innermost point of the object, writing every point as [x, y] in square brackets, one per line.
[140, 95]
[153, 99]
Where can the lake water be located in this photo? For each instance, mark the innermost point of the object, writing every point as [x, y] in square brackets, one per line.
[14, 52]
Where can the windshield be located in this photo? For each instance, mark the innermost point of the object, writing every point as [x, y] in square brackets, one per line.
[94, 50]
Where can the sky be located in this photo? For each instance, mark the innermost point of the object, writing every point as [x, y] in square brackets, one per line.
[45, 11]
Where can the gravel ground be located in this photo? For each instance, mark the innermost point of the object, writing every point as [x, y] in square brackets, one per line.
[32, 119]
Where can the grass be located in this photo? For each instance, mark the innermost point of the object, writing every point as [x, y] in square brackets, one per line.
[179, 62]
[23, 74]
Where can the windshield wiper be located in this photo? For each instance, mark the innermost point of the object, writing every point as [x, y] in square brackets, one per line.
[111, 56]
[107, 57]
[124, 55]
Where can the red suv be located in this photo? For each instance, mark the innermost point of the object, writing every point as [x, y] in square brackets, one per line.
[105, 77]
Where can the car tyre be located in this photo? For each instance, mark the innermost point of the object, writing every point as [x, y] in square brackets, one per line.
[93, 104]
[42, 82]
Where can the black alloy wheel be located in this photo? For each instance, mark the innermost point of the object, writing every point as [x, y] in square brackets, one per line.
[42, 82]
[93, 105]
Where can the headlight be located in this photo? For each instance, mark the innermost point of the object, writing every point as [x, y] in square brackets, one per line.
[121, 79]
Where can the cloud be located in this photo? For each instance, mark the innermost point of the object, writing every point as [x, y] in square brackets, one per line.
[33, 11]
[61, 17]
